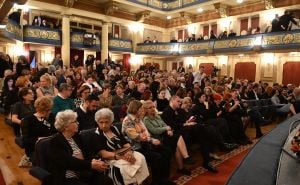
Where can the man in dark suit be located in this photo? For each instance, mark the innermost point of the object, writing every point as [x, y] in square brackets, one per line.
[180, 68]
[285, 20]
[276, 24]
[86, 112]
[253, 94]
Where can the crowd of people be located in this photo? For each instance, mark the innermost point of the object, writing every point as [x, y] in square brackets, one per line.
[141, 119]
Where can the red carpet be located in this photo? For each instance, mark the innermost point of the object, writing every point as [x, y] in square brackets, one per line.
[229, 161]
[225, 170]
[2, 182]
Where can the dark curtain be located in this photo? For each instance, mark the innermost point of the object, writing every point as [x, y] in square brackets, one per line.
[126, 63]
[98, 55]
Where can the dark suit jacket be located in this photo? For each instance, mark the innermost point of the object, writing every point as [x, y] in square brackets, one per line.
[251, 95]
[61, 160]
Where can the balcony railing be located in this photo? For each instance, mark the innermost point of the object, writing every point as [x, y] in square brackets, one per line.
[43, 35]
[77, 41]
[122, 45]
[13, 30]
[258, 42]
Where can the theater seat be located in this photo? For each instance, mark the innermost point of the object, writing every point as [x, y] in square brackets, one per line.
[41, 161]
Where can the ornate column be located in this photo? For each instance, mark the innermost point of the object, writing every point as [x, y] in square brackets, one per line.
[65, 49]
[104, 42]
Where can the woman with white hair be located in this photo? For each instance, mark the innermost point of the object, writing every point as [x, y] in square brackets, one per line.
[67, 158]
[111, 145]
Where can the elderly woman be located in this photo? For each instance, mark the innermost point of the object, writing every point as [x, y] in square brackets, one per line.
[157, 156]
[111, 145]
[46, 88]
[160, 130]
[37, 125]
[67, 162]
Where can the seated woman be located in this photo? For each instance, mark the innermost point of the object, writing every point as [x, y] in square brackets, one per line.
[282, 107]
[160, 130]
[46, 88]
[38, 125]
[157, 156]
[111, 145]
[22, 108]
[67, 163]
[82, 93]
[161, 102]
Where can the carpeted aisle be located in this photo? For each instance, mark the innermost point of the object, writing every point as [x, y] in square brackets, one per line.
[2, 182]
[225, 170]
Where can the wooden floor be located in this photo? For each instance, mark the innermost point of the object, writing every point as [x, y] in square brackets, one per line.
[10, 155]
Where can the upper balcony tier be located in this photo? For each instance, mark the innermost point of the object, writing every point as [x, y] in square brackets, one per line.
[258, 42]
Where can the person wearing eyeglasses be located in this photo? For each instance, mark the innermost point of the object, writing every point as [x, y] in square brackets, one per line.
[63, 101]
[67, 158]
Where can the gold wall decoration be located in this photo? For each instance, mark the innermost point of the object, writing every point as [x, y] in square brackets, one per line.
[14, 29]
[116, 43]
[35, 32]
[269, 4]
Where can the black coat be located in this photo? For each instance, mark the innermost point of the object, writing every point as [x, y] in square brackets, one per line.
[61, 159]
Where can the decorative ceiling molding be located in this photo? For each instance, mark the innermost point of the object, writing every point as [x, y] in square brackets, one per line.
[110, 7]
[69, 3]
[189, 18]
[222, 9]
[140, 17]
[269, 4]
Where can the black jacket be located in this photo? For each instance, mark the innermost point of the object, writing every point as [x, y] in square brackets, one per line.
[61, 160]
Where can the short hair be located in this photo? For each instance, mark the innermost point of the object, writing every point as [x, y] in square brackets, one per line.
[21, 80]
[187, 99]
[92, 97]
[119, 86]
[63, 119]
[134, 106]
[43, 103]
[81, 89]
[23, 92]
[64, 86]
[104, 113]
[47, 78]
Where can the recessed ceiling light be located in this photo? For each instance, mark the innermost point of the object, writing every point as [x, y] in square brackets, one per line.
[239, 1]
[200, 10]
[169, 17]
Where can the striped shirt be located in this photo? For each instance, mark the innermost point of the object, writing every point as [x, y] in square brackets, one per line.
[76, 152]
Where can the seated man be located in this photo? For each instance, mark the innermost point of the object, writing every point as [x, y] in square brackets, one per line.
[86, 112]
[175, 117]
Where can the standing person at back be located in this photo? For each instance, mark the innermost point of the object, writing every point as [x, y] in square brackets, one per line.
[286, 19]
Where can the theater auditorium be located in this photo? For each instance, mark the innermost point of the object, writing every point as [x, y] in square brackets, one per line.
[149, 92]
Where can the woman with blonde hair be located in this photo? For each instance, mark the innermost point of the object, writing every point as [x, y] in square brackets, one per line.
[46, 88]
[160, 130]
[157, 155]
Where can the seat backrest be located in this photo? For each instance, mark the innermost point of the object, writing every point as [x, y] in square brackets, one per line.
[41, 156]
[86, 138]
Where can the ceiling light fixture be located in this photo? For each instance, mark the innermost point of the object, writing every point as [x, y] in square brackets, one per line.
[239, 1]
[169, 17]
[2, 26]
[200, 10]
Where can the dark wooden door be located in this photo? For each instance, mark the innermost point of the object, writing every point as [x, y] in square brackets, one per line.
[205, 31]
[244, 24]
[245, 70]
[208, 67]
[254, 22]
[291, 71]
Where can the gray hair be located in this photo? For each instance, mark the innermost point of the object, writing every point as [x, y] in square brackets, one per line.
[104, 113]
[63, 119]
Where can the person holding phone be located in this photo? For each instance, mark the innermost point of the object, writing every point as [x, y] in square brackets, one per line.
[111, 145]
[67, 159]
